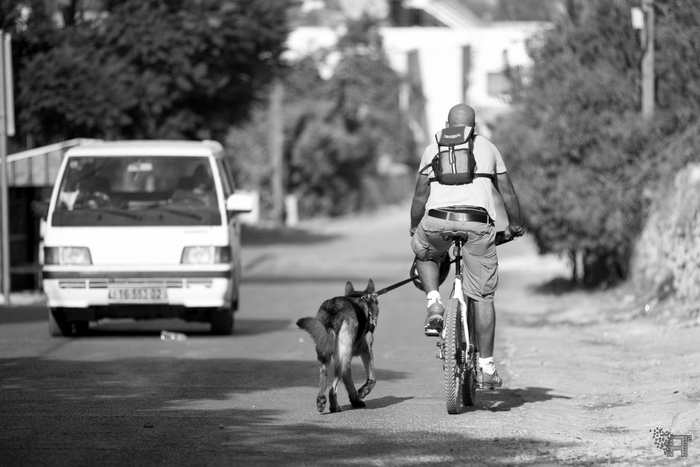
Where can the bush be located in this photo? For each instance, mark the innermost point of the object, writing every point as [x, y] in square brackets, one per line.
[582, 158]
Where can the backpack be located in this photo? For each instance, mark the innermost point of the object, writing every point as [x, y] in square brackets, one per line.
[454, 164]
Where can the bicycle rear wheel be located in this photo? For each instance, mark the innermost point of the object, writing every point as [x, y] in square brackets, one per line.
[454, 356]
[469, 384]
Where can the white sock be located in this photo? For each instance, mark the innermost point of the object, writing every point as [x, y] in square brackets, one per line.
[487, 365]
[433, 297]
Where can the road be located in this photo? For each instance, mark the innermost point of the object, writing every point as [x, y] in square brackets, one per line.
[585, 383]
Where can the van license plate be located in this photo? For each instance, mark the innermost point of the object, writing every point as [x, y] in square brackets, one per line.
[137, 295]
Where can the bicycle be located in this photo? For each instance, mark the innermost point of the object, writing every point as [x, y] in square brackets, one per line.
[457, 341]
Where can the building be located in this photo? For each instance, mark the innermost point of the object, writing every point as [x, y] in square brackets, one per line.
[446, 50]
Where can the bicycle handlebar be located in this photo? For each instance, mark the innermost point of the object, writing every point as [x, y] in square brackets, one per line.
[501, 238]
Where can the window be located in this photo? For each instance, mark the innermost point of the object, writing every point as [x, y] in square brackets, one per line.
[499, 85]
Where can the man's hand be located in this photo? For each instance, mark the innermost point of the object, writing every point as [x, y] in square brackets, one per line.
[412, 230]
[514, 231]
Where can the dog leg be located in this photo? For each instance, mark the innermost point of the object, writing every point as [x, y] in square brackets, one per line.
[333, 396]
[322, 384]
[352, 392]
[368, 360]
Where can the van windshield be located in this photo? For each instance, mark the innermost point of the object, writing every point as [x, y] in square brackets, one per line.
[137, 191]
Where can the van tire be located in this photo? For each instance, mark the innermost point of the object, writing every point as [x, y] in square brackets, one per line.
[82, 328]
[58, 324]
[222, 322]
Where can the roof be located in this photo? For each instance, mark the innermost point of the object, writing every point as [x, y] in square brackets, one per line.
[452, 13]
[38, 167]
[148, 147]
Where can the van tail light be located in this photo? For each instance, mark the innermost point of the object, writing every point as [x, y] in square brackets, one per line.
[67, 255]
[206, 255]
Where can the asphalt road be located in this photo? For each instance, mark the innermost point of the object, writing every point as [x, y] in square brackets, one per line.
[122, 396]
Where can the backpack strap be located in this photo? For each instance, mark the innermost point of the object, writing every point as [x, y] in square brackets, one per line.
[471, 149]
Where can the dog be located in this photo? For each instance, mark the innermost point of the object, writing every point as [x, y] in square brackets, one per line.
[342, 329]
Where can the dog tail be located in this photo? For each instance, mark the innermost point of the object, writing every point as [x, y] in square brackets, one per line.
[323, 337]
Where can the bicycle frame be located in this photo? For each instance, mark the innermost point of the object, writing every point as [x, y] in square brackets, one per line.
[457, 290]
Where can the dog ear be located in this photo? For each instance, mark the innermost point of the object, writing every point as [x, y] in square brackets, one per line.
[349, 288]
[370, 286]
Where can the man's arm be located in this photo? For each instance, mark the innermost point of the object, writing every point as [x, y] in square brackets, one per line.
[420, 197]
[511, 204]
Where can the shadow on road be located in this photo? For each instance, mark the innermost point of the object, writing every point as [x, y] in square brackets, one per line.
[386, 401]
[150, 382]
[210, 411]
[23, 314]
[132, 328]
[558, 286]
[503, 400]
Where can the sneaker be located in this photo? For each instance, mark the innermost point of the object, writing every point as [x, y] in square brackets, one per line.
[433, 322]
[487, 381]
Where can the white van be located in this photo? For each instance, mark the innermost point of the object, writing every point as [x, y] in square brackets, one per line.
[143, 230]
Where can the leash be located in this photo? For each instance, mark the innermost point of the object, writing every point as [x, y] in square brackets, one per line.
[396, 286]
[388, 289]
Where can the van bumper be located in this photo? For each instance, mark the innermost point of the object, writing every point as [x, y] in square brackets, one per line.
[188, 288]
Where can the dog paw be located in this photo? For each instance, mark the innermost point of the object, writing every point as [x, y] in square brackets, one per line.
[334, 402]
[321, 403]
[335, 408]
[358, 404]
[366, 388]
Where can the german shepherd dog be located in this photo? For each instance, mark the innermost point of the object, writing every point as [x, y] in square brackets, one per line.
[344, 328]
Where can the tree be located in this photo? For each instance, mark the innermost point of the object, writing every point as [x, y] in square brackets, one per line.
[335, 128]
[588, 157]
[148, 69]
[677, 58]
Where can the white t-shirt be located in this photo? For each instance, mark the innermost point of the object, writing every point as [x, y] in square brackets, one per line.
[479, 192]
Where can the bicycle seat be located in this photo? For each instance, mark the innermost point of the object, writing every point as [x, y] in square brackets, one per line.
[452, 234]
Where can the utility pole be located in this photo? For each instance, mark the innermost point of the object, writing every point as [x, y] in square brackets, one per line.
[276, 151]
[7, 128]
[643, 20]
[466, 70]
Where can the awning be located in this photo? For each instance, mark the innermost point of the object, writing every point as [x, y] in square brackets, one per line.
[38, 167]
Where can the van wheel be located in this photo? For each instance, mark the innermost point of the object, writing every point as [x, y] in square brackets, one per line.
[81, 327]
[58, 324]
[222, 322]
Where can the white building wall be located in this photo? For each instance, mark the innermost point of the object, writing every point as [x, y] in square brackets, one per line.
[440, 52]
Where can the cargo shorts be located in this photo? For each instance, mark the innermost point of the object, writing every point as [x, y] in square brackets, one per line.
[479, 259]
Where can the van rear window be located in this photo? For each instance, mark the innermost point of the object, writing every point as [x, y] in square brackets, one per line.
[137, 191]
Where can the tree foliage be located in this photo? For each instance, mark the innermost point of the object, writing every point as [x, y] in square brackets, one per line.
[336, 126]
[582, 156]
[143, 68]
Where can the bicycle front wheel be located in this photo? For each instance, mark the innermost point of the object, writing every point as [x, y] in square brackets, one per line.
[454, 356]
[470, 367]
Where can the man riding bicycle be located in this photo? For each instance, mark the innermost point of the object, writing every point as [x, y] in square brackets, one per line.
[466, 208]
